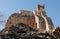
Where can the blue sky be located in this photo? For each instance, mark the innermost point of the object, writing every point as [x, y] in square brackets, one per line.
[52, 8]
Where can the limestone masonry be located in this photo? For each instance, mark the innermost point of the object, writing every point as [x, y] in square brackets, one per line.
[37, 19]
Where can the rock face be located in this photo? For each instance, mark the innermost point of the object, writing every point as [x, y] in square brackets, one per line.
[25, 17]
[37, 19]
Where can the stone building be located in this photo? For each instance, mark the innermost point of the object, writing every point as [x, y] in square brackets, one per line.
[37, 19]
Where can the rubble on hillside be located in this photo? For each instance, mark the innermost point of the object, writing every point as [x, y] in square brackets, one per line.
[22, 31]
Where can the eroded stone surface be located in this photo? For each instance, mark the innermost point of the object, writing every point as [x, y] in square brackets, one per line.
[27, 17]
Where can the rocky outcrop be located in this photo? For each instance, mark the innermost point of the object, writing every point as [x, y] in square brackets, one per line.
[22, 17]
[37, 19]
